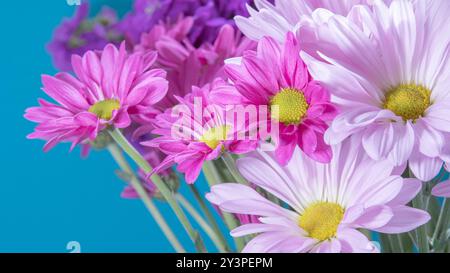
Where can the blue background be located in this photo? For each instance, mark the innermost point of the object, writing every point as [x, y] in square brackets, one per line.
[49, 199]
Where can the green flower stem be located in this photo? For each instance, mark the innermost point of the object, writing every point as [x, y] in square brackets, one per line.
[209, 217]
[211, 174]
[385, 243]
[421, 232]
[231, 165]
[151, 207]
[412, 238]
[439, 221]
[401, 248]
[202, 223]
[442, 240]
[123, 143]
[213, 178]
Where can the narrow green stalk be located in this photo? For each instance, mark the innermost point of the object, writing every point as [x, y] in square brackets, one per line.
[400, 243]
[151, 207]
[385, 243]
[211, 174]
[442, 240]
[421, 232]
[395, 243]
[439, 222]
[231, 165]
[209, 216]
[213, 178]
[202, 223]
[412, 238]
[367, 233]
[123, 143]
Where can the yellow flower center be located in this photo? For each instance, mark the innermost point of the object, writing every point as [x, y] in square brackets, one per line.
[104, 109]
[409, 101]
[321, 220]
[213, 136]
[291, 105]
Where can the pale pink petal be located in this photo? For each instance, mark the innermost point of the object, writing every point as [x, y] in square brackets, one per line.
[261, 174]
[442, 189]
[373, 217]
[353, 241]
[254, 228]
[237, 198]
[424, 167]
[404, 145]
[378, 140]
[331, 246]
[431, 141]
[405, 219]
[411, 187]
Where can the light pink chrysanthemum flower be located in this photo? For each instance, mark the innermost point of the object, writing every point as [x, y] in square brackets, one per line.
[303, 105]
[276, 20]
[189, 140]
[328, 203]
[109, 88]
[388, 69]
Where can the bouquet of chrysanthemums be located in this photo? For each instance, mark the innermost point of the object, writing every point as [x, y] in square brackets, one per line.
[319, 125]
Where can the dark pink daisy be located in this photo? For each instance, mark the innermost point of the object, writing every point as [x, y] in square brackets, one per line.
[190, 140]
[275, 76]
[109, 88]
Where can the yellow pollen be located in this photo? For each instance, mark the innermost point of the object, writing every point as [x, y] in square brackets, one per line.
[321, 220]
[104, 109]
[409, 101]
[292, 106]
[213, 136]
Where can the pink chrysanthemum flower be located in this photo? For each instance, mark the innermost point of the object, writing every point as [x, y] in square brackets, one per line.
[109, 88]
[187, 65]
[276, 20]
[189, 140]
[275, 77]
[328, 204]
[388, 68]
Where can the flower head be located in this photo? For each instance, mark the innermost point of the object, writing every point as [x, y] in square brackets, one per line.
[276, 20]
[300, 105]
[110, 87]
[208, 15]
[388, 70]
[328, 204]
[81, 33]
[187, 65]
[190, 138]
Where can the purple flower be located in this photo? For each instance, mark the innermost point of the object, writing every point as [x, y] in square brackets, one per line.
[81, 33]
[209, 16]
